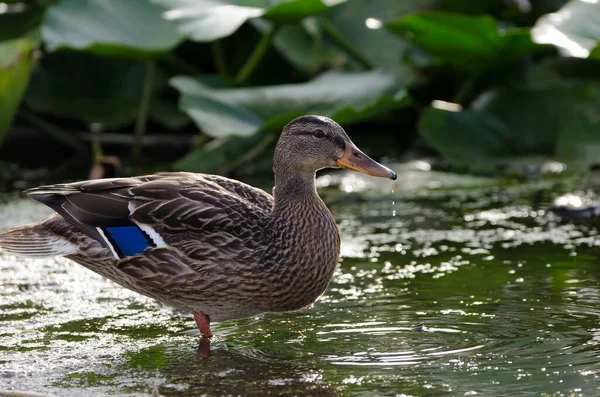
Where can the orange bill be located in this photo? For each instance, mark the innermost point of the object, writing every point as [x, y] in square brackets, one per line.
[356, 160]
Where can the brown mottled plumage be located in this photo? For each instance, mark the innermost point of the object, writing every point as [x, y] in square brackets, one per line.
[215, 247]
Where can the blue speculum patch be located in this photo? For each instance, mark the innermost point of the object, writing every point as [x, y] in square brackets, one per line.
[128, 240]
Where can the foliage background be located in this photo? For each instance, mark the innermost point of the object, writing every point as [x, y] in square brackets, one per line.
[206, 85]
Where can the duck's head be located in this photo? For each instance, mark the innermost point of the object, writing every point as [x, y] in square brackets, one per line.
[309, 143]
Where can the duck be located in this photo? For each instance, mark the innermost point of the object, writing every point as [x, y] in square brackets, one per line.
[205, 244]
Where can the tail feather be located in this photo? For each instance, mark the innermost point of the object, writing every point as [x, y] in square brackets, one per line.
[35, 241]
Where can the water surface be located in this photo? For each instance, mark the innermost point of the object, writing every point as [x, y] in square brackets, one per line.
[450, 285]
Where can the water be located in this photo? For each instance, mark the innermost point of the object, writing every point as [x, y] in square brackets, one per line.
[470, 289]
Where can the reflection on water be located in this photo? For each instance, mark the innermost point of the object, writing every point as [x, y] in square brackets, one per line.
[225, 372]
[508, 299]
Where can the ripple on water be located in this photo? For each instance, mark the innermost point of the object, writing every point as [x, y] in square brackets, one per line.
[508, 301]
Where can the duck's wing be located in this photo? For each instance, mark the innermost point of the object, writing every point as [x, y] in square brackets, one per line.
[192, 212]
[257, 197]
[254, 195]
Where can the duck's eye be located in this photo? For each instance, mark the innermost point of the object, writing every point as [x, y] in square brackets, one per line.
[319, 134]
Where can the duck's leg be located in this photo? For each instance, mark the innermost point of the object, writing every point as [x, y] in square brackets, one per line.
[203, 348]
[203, 323]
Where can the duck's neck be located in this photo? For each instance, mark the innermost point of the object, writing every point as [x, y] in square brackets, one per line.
[304, 244]
[294, 188]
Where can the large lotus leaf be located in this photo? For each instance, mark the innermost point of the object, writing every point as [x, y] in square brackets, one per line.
[464, 137]
[131, 29]
[575, 29]
[470, 43]
[16, 62]
[304, 45]
[536, 114]
[167, 114]
[289, 11]
[557, 119]
[564, 68]
[208, 20]
[346, 97]
[19, 19]
[579, 142]
[90, 89]
[220, 153]
[362, 23]
[309, 47]
[87, 88]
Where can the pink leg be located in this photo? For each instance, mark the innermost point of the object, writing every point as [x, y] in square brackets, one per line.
[203, 348]
[203, 323]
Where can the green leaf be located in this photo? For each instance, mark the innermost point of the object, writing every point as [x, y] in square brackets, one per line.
[16, 62]
[575, 28]
[245, 111]
[208, 20]
[132, 29]
[290, 11]
[213, 157]
[564, 68]
[464, 137]
[595, 54]
[535, 115]
[555, 120]
[470, 43]
[20, 20]
[303, 45]
[361, 23]
[87, 88]
[309, 48]
[352, 114]
[168, 115]
[579, 142]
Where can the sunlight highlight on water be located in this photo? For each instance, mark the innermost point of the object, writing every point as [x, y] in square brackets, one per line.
[467, 289]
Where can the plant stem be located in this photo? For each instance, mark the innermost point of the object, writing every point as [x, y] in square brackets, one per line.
[96, 147]
[257, 55]
[180, 65]
[465, 90]
[339, 39]
[142, 116]
[219, 58]
[251, 154]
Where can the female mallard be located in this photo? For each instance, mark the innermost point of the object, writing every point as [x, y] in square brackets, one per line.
[206, 244]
